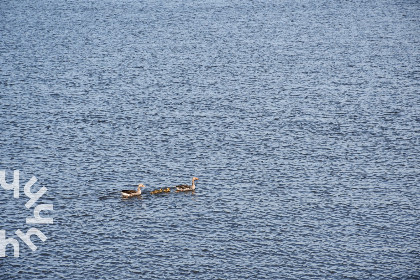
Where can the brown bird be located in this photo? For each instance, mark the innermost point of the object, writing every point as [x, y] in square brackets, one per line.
[131, 193]
[183, 188]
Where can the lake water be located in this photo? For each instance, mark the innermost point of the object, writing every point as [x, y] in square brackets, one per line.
[300, 118]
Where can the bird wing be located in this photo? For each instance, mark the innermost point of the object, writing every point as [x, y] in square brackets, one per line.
[128, 191]
[183, 186]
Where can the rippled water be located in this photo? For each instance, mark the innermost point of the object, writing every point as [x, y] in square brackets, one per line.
[301, 119]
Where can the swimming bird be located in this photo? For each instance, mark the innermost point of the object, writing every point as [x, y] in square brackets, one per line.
[131, 193]
[183, 188]
[156, 191]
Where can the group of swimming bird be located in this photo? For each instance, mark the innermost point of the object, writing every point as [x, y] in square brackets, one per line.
[179, 188]
[160, 191]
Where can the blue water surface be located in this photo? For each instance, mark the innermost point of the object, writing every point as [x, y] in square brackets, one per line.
[300, 118]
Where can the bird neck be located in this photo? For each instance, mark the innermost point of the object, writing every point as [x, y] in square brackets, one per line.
[193, 184]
